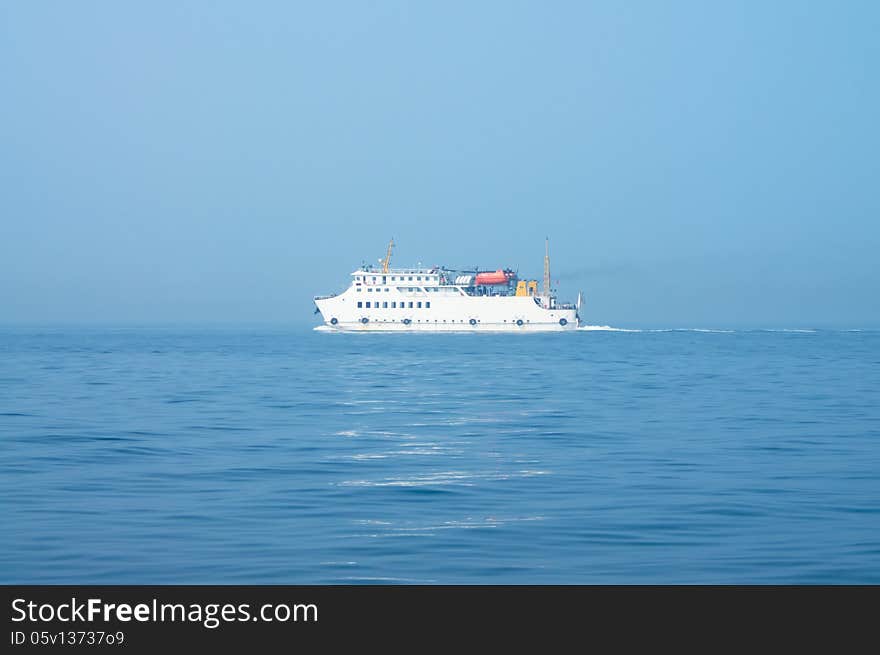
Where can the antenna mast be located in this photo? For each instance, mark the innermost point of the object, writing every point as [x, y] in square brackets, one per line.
[387, 260]
[547, 267]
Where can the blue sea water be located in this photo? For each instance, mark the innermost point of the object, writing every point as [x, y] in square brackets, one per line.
[291, 456]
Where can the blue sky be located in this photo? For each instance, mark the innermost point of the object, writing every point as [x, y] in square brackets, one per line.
[694, 164]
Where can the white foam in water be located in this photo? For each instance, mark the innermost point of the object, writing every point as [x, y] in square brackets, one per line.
[604, 328]
[706, 330]
[808, 331]
[608, 328]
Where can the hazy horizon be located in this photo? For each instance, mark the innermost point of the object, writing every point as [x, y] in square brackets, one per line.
[693, 165]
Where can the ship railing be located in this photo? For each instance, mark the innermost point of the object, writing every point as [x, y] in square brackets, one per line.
[397, 271]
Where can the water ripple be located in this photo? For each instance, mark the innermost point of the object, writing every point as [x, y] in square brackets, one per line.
[638, 456]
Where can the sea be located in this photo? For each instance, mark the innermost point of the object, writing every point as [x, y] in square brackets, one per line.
[174, 455]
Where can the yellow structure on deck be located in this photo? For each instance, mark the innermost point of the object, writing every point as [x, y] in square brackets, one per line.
[529, 288]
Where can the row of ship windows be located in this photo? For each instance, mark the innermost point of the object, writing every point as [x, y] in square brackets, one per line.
[401, 278]
[396, 305]
[449, 290]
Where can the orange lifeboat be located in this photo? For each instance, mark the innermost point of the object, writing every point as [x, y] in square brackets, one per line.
[498, 277]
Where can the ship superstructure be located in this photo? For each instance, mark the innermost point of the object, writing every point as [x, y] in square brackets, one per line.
[439, 299]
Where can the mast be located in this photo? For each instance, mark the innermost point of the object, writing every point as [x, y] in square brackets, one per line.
[387, 260]
[547, 267]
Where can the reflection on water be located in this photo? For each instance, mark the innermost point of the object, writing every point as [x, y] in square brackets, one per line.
[603, 456]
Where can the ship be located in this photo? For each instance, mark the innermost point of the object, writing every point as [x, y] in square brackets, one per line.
[439, 299]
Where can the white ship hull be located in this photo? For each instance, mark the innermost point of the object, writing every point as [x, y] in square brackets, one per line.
[440, 312]
[448, 328]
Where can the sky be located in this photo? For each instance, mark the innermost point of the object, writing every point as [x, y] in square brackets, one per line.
[694, 164]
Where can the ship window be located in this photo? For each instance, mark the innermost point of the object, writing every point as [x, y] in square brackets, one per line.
[387, 289]
[428, 305]
[419, 305]
[374, 278]
[385, 305]
[368, 304]
[358, 289]
[369, 290]
[410, 304]
[410, 278]
[360, 304]
[393, 305]
[419, 278]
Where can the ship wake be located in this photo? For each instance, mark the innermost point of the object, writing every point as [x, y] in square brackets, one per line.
[605, 328]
